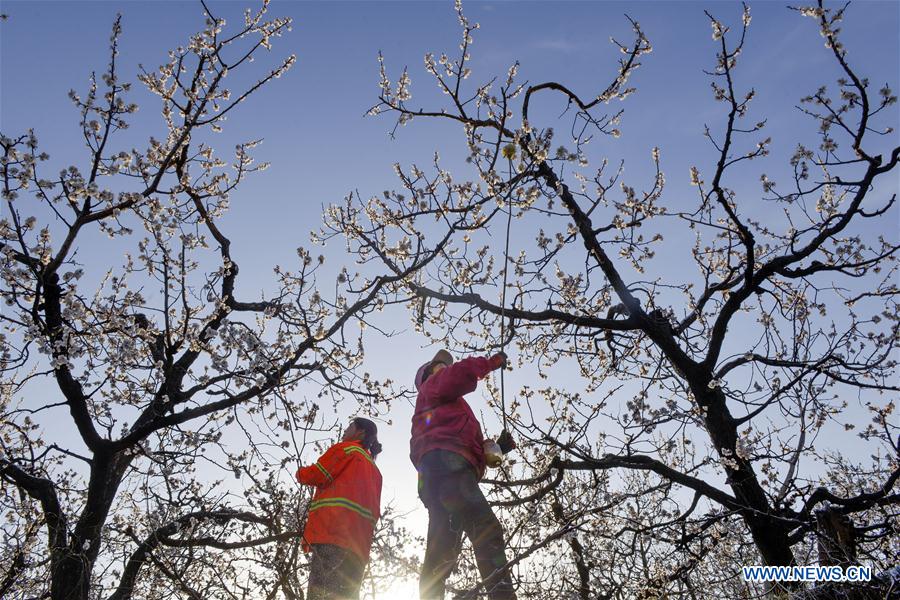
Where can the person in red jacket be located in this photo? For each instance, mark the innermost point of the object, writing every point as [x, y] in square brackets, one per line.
[447, 449]
[343, 512]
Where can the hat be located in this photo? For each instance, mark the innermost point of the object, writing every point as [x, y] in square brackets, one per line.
[442, 356]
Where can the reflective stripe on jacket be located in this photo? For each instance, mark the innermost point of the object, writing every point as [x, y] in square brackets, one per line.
[443, 420]
[347, 502]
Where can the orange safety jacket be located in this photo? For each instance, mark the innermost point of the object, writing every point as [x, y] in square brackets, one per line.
[347, 502]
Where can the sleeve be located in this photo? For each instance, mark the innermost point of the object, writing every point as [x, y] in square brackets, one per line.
[325, 470]
[460, 378]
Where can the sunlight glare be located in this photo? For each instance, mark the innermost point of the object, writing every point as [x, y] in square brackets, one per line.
[403, 589]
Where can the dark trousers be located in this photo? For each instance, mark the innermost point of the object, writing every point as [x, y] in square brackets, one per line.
[448, 486]
[335, 573]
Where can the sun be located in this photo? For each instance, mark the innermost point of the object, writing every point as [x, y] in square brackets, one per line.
[403, 589]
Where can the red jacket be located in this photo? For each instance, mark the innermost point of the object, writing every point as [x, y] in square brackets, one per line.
[443, 419]
[347, 502]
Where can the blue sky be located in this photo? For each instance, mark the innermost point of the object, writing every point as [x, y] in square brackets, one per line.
[321, 146]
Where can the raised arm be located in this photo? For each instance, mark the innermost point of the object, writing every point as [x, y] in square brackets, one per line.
[462, 377]
[325, 470]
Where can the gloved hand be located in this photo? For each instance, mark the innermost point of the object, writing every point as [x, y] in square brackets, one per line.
[499, 361]
[506, 442]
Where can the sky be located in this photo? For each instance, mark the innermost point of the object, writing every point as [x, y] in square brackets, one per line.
[321, 147]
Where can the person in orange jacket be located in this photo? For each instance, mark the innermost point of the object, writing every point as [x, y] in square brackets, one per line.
[343, 512]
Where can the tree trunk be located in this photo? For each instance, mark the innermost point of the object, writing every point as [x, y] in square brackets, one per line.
[769, 535]
[71, 578]
[836, 538]
[73, 563]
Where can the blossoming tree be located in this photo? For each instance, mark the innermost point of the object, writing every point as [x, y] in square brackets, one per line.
[132, 395]
[685, 430]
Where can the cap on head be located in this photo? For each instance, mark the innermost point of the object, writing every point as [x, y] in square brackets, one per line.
[442, 356]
